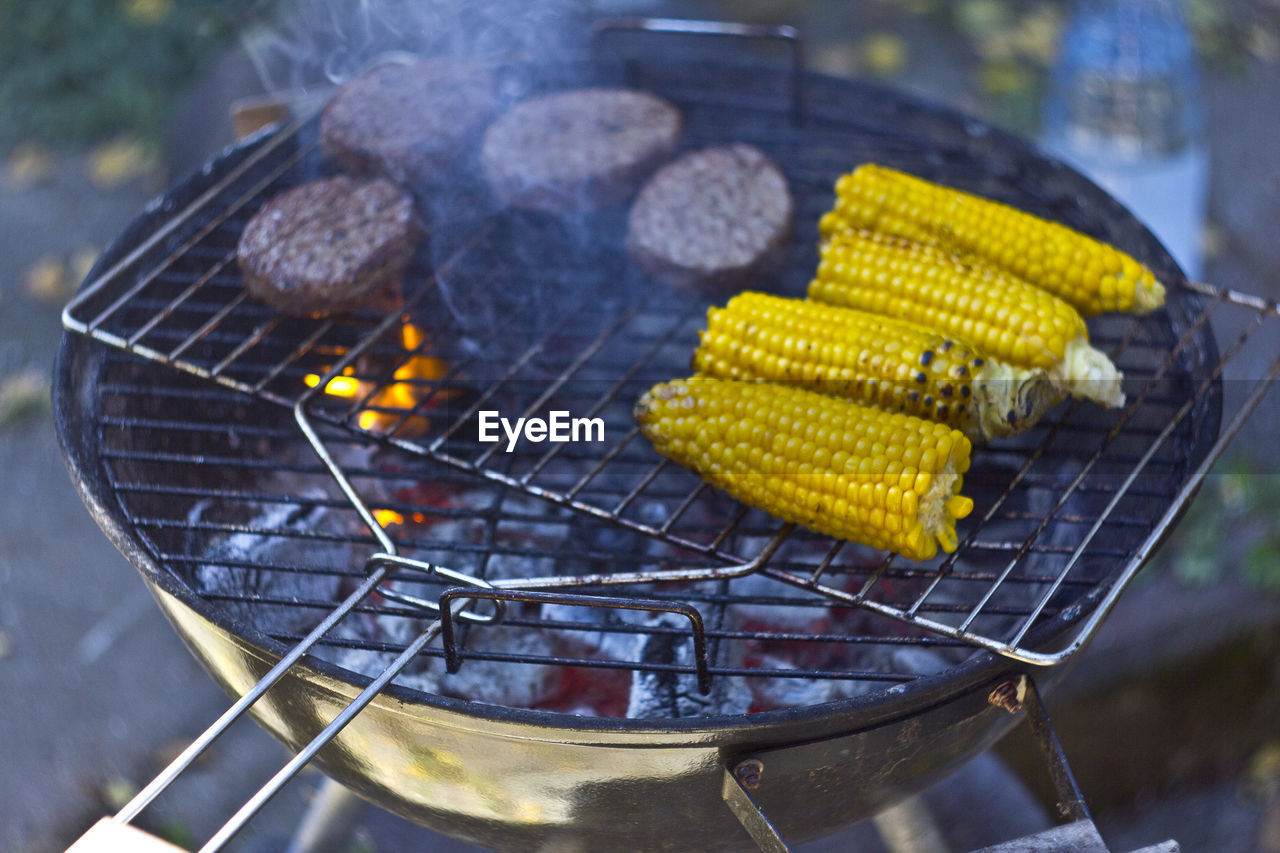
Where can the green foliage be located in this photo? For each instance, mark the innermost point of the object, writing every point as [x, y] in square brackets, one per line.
[1232, 522]
[72, 71]
[1012, 43]
[177, 833]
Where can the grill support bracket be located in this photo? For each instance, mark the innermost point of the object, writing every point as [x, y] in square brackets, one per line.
[745, 775]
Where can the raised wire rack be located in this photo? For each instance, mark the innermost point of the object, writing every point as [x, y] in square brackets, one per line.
[526, 315]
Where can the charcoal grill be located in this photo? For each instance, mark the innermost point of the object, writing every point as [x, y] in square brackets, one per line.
[188, 411]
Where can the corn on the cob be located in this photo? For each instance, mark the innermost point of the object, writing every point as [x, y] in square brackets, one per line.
[887, 480]
[1002, 316]
[1089, 274]
[892, 365]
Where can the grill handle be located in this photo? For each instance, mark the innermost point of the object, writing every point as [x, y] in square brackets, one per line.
[107, 836]
[785, 33]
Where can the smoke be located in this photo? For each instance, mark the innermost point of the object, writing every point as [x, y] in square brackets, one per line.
[526, 268]
[302, 44]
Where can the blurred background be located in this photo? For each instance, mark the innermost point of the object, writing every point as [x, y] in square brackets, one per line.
[1171, 720]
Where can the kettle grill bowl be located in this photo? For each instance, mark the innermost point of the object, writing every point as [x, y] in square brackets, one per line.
[516, 779]
[527, 780]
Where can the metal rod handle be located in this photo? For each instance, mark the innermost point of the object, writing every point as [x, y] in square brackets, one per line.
[264, 794]
[206, 738]
[437, 606]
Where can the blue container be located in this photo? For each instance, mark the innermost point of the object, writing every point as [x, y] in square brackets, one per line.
[1124, 107]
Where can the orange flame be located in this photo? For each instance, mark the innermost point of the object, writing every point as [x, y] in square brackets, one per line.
[339, 386]
[387, 517]
[391, 404]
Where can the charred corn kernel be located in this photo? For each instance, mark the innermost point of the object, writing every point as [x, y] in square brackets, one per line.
[867, 499]
[878, 361]
[1089, 274]
[1002, 316]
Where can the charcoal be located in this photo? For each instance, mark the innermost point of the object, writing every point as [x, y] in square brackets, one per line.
[664, 694]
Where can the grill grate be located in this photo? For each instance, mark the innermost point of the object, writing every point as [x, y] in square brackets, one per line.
[1064, 514]
[225, 468]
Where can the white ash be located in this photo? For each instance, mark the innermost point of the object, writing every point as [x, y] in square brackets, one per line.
[515, 685]
[612, 641]
[653, 695]
[812, 616]
[391, 478]
[283, 549]
[419, 674]
[507, 537]
[919, 660]
[655, 513]
[665, 694]
[784, 692]
[463, 529]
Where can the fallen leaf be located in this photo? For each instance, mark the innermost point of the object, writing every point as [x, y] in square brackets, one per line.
[119, 161]
[918, 7]
[1213, 241]
[978, 18]
[178, 833]
[1205, 14]
[996, 47]
[884, 54]
[116, 792]
[1004, 79]
[1262, 43]
[147, 11]
[82, 261]
[28, 165]
[1264, 765]
[47, 281]
[23, 393]
[1036, 35]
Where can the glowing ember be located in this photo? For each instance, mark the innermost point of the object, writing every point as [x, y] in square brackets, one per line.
[393, 408]
[389, 516]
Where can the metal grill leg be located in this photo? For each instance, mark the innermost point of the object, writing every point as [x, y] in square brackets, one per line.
[331, 821]
[1070, 803]
[739, 781]
[909, 827]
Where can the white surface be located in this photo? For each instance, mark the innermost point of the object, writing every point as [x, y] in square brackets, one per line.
[1168, 194]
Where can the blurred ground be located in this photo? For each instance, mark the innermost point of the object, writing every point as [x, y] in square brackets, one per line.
[96, 691]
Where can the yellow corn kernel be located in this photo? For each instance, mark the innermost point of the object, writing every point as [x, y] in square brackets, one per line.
[852, 503]
[1002, 316]
[878, 361]
[1089, 274]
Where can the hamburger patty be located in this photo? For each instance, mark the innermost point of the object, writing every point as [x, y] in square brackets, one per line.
[578, 150]
[715, 218]
[330, 245]
[408, 122]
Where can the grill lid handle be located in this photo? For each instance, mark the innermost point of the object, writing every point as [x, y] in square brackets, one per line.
[680, 26]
